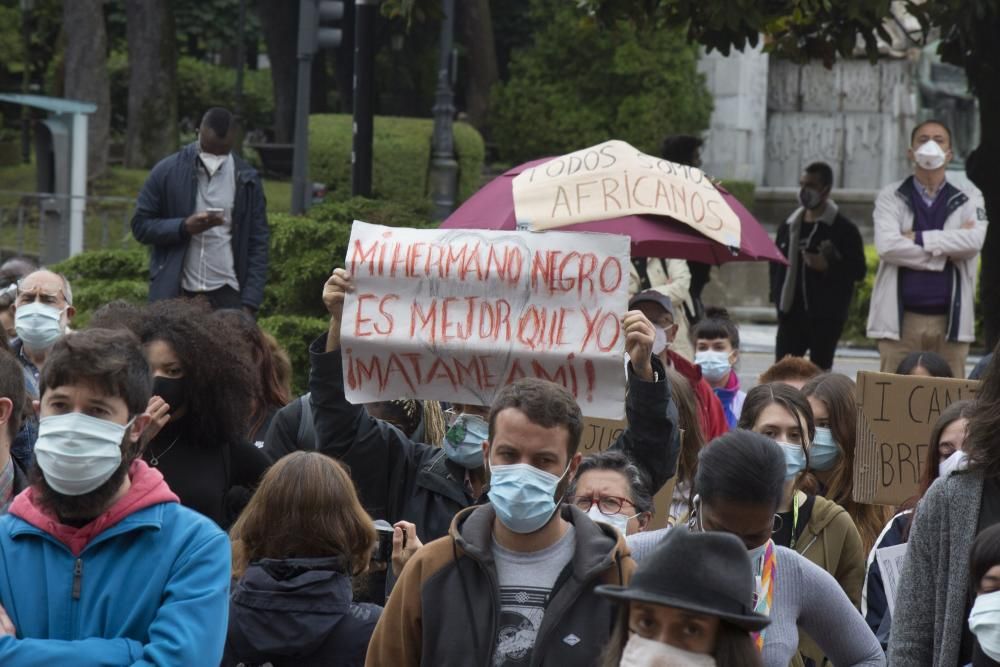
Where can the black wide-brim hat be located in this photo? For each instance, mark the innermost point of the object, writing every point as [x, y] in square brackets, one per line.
[706, 573]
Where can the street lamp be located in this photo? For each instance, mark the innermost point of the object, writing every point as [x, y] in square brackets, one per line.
[444, 167]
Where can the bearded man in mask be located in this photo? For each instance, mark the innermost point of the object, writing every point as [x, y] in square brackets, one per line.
[928, 233]
[826, 257]
[402, 480]
[203, 211]
[130, 575]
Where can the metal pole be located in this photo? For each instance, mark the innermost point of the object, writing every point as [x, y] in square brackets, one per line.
[366, 13]
[444, 167]
[77, 183]
[300, 162]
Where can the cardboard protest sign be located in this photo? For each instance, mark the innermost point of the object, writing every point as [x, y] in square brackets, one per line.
[599, 435]
[613, 179]
[454, 314]
[896, 414]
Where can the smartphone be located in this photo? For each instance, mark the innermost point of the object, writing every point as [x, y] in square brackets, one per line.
[382, 553]
[216, 212]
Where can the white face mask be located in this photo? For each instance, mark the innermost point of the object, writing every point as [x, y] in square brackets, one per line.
[957, 461]
[38, 325]
[617, 521]
[660, 341]
[641, 652]
[930, 155]
[984, 622]
[77, 453]
[212, 162]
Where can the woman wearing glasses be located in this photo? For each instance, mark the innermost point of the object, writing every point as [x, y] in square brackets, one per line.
[610, 489]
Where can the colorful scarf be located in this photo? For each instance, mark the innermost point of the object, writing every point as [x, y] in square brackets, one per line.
[765, 571]
[726, 395]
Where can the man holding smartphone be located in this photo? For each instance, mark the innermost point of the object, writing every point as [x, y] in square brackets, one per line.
[203, 211]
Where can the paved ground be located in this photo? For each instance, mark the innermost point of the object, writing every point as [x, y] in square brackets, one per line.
[757, 343]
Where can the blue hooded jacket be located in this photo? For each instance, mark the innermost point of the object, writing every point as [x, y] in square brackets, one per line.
[145, 583]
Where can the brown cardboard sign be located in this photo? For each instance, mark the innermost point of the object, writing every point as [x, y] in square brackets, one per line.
[598, 435]
[896, 414]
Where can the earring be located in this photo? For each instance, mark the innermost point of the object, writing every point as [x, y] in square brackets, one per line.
[778, 523]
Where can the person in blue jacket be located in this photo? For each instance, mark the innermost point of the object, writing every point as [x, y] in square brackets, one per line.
[99, 562]
[203, 211]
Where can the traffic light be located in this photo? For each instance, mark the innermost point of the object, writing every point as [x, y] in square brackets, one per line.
[316, 21]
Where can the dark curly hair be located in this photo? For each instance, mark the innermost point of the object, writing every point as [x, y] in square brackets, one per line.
[219, 377]
[271, 394]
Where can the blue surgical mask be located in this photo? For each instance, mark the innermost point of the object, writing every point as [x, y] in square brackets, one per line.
[523, 496]
[795, 459]
[38, 325]
[824, 452]
[714, 365]
[463, 443]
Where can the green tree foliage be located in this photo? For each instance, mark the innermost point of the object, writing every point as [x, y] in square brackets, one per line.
[579, 84]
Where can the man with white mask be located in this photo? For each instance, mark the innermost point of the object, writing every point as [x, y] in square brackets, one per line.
[928, 234]
[43, 309]
[130, 576]
[203, 211]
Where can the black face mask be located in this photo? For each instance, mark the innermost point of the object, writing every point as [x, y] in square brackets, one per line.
[170, 390]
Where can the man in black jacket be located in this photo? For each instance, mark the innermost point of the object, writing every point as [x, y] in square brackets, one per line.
[825, 258]
[399, 479]
[203, 211]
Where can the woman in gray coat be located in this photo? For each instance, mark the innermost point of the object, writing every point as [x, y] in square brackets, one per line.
[930, 626]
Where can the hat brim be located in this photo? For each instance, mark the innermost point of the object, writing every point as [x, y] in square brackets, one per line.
[752, 622]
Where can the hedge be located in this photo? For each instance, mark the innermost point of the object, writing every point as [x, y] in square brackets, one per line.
[402, 154]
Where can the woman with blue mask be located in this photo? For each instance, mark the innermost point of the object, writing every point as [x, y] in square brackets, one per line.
[612, 490]
[717, 350]
[815, 527]
[831, 457]
[740, 487]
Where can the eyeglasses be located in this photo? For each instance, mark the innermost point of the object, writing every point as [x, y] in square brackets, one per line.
[49, 298]
[606, 505]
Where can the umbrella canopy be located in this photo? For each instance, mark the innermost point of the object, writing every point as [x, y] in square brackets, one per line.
[492, 207]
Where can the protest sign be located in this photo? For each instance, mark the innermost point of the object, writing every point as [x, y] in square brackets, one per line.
[599, 435]
[614, 179]
[890, 564]
[896, 414]
[454, 314]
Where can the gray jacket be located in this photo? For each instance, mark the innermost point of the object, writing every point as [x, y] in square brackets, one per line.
[934, 584]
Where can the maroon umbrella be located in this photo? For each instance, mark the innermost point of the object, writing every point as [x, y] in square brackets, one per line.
[492, 207]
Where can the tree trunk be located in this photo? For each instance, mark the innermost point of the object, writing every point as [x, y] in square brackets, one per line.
[279, 19]
[87, 75]
[152, 85]
[482, 71]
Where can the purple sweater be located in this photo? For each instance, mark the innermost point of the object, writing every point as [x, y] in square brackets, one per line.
[927, 292]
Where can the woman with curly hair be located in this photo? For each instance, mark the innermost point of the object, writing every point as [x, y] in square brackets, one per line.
[270, 395]
[203, 385]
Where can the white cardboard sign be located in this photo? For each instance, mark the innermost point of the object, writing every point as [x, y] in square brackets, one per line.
[614, 179]
[455, 315]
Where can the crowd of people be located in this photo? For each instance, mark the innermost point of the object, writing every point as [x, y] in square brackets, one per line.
[167, 500]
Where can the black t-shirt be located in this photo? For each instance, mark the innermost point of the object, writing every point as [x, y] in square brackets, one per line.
[783, 537]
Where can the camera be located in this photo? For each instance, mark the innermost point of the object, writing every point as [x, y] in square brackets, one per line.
[382, 553]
